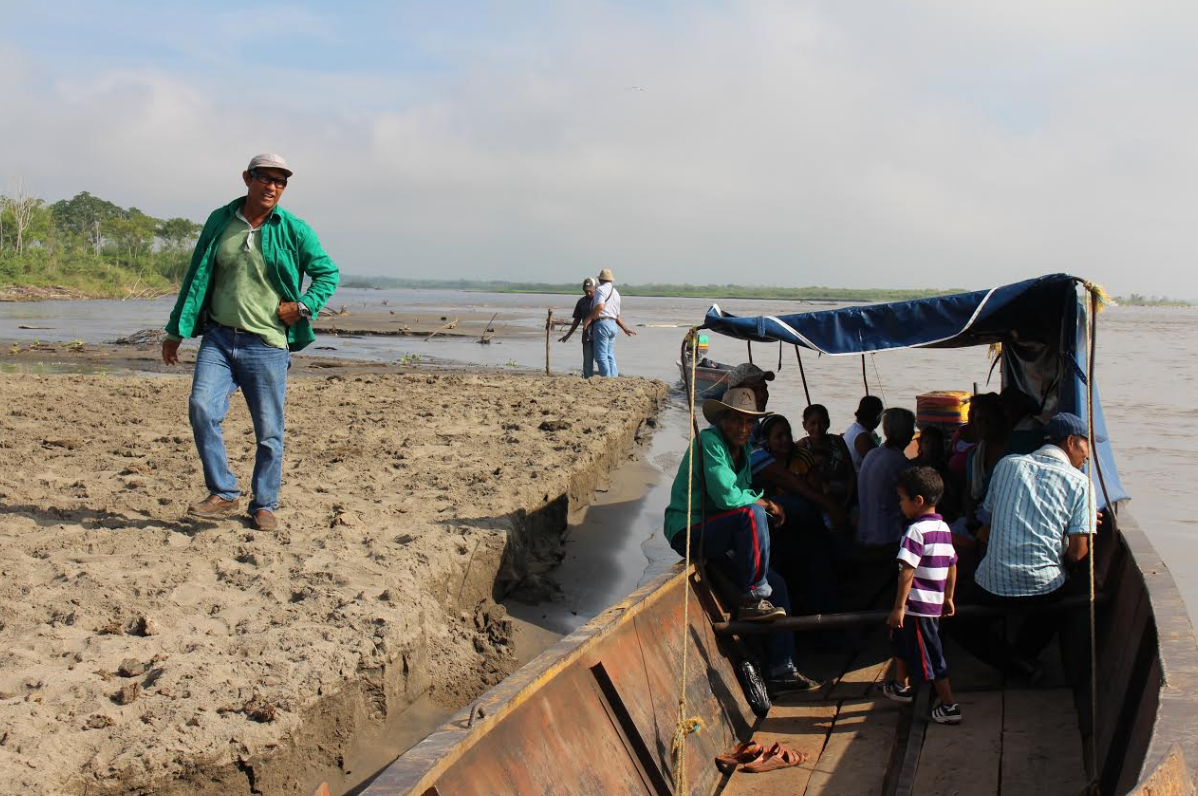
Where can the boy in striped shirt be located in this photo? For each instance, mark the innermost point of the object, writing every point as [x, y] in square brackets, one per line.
[927, 579]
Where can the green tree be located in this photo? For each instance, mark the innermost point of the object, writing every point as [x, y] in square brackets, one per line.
[178, 235]
[84, 216]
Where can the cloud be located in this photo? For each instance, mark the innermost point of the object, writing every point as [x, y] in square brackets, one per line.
[769, 143]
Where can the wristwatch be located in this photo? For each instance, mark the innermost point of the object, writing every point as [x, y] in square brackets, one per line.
[303, 310]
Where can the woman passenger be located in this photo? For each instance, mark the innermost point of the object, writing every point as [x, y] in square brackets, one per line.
[833, 461]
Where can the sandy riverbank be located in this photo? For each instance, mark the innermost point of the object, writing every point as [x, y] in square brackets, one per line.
[142, 651]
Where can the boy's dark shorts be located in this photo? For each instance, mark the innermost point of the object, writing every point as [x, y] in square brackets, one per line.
[918, 643]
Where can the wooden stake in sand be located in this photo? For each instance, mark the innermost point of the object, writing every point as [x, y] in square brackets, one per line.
[548, 329]
[488, 328]
[451, 325]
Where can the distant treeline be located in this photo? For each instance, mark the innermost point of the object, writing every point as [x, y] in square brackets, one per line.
[91, 246]
[1136, 300]
[651, 289]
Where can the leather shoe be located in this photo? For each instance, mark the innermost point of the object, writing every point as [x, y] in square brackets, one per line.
[214, 506]
[264, 520]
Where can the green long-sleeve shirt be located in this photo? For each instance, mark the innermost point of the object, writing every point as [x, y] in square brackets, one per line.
[722, 485]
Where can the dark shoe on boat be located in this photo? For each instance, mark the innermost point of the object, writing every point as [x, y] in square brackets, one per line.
[214, 506]
[264, 520]
[946, 714]
[791, 682]
[892, 690]
[752, 610]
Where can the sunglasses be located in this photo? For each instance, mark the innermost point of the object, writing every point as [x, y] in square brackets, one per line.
[265, 179]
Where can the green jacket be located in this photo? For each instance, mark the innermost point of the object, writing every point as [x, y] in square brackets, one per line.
[727, 486]
[291, 251]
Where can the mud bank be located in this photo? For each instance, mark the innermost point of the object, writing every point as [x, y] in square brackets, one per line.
[142, 651]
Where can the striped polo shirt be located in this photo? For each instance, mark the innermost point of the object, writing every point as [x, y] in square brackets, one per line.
[1035, 502]
[928, 548]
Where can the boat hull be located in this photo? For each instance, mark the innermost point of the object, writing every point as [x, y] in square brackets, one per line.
[596, 713]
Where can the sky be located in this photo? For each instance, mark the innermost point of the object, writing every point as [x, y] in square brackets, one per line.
[846, 143]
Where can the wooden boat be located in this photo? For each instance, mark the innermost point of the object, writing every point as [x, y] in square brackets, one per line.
[597, 713]
[711, 378]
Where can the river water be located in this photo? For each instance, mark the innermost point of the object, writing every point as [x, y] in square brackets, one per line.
[1144, 372]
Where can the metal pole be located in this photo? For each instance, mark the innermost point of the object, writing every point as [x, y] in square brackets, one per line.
[803, 373]
[548, 331]
[864, 377]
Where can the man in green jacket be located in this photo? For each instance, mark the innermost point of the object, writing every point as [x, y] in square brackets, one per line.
[242, 294]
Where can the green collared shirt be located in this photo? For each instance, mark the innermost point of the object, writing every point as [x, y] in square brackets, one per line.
[720, 486]
[242, 296]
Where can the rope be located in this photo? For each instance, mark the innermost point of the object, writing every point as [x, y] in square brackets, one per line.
[1091, 321]
[803, 373]
[873, 359]
[686, 725]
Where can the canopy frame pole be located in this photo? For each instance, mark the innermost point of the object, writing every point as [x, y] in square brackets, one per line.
[803, 373]
[864, 375]
[749, 345]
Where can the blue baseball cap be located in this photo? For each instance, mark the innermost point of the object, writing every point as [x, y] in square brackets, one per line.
[1067, 424]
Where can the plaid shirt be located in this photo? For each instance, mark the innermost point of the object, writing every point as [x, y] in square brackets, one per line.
[1035, 502]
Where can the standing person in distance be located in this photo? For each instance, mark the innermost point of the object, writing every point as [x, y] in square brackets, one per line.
[244, 293]
[582, 310]
[604, 318]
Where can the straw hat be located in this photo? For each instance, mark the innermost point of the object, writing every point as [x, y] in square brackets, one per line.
[606, 276]
[738, 399]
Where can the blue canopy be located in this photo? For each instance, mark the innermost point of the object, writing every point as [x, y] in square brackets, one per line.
[1041, 324]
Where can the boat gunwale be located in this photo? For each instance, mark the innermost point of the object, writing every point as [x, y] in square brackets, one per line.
[418, 769]
[1176, 721]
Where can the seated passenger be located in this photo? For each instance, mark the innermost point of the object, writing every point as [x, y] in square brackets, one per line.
[1020, 409]
[860, 437]
[803, 551]
[729, 522]
[933, 453]
[1042, 509]
[725, 511]
[881, 520]
[833, 461]
[991, 427]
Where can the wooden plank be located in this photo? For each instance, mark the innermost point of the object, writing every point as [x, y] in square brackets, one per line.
[1041, 745]
[803, 728]
[858, 751]
[967, 672]
[966, 757]
[867, 668]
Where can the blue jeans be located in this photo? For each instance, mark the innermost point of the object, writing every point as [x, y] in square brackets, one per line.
[721, 537]
[604, 330]
[741, 538]
[588, 358]
[229, 359]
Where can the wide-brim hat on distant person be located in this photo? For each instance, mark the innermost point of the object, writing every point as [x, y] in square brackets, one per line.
[747, 373]
[269, 160]
[1067, 424]
[606, 275]
[740, 399]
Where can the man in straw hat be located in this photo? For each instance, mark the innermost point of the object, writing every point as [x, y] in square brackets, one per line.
[244, 293]
[603, 321]
[729, 523]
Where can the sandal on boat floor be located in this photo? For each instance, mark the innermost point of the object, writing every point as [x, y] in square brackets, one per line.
[775, 757]
[743, 752]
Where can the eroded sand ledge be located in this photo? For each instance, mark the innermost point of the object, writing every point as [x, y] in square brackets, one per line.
[410, 504]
